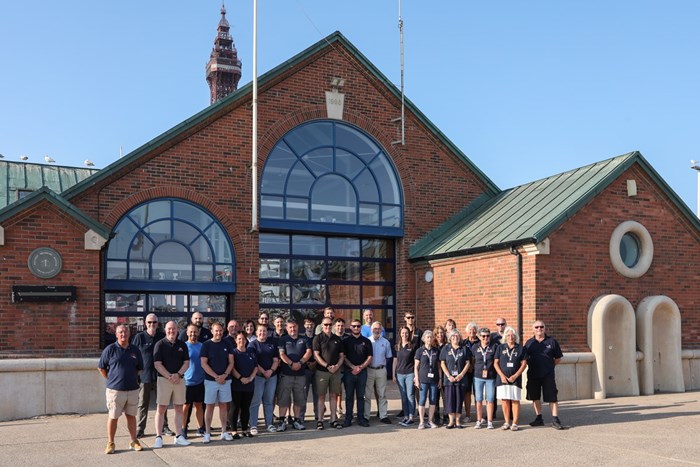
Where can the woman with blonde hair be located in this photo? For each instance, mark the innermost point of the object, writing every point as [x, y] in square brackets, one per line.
[427, 377]
[510, 363]
[455, 361]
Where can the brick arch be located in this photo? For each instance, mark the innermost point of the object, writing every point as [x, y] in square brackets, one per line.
[150, 194]
[294, 119]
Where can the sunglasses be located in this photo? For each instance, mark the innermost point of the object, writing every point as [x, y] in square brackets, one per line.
[327, 324]
[485, 337]
[355, 326]
[538, 327]
[151, 322]
[500, 324]
[410, 317]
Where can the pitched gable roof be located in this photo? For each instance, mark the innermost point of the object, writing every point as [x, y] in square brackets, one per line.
[214, 111]
[529, 213]
[46, 194]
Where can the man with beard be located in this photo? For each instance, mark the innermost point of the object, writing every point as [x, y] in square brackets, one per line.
[358, 356]
[198, 320]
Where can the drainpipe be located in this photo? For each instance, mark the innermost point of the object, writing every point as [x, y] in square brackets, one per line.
[514, 251]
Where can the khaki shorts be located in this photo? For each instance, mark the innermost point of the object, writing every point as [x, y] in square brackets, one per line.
[119, 402]
[326, 380]
[165, 389]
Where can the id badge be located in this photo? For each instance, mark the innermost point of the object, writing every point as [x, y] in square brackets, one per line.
[509, 364]
[455, 372]
[484, 374]
[431, 375]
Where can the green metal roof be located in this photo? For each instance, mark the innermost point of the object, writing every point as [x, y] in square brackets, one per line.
[530, 212]
[223, 106]
[17, 178]
[46, 194]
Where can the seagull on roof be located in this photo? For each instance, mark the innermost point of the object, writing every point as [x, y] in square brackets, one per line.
[23, 157]
[49, 159]
[88, 162]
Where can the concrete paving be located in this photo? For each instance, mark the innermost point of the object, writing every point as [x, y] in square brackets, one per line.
[630, 431]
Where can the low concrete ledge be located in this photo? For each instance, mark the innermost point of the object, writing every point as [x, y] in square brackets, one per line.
[691, 369]
[31, 387]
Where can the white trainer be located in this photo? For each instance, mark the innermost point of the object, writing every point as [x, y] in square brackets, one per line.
[158, 443]
[182, 441]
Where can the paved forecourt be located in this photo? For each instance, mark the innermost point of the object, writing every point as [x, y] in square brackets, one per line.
[621, 431]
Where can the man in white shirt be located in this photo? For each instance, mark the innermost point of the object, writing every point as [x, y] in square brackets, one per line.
[376, 373]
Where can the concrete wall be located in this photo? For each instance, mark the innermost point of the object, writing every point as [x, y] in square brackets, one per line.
[31, 387]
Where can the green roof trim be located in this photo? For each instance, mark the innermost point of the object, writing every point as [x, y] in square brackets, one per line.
[17, 178]
[529, 213]
[47, 194]
[221, 106]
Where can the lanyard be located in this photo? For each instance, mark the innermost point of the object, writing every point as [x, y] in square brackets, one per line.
[484, 353]
[510, 354]
[430, 357]
[455, 357]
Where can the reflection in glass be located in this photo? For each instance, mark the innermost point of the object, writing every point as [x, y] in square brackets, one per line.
[377, 295]
[271, 207]
[172, 262]
[343, 294]
[274, 293]
[167, 303]
[274, 243]
[338, 246]
[377, 272]
[309, 294]
[377, 248]
[308, 245]
[308, 269]
[116, 270]
[630, 249]
[343, 270]
[123, 302]
[333, 200]
[274, 268]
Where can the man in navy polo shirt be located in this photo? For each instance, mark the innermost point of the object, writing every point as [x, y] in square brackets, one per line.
[198, 320]
[358, 356]
[295, 352]
[146, 342]
[120, 364]
[217, 362]
[544, 354]
[171, 359]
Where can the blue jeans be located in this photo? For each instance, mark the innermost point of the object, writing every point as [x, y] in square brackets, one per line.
[264, 392]
[355, 389]
[406, 388]
[489, 385]
[424, 388]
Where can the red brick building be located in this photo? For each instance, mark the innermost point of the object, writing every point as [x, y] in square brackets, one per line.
[348, 216]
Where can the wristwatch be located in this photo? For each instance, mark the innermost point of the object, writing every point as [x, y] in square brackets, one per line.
[181, 375]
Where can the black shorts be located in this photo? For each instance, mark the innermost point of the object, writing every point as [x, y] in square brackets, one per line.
[194, 394]
[542, 387]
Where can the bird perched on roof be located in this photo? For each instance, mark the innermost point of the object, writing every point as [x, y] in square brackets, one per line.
[23, 157]
[49, 159]
[88, 162]
[1, 156]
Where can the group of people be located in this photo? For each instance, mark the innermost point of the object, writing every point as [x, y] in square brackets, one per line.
[239, 370]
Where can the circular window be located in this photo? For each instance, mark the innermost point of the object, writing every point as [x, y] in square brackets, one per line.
[631, 249]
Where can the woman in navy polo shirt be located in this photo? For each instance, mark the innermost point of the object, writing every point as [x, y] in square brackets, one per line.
[472, 338]
[440, 334]
[455, 361]
[484, 378]
[510, 363]
[245, 367]
[427, 377]
[266, 380]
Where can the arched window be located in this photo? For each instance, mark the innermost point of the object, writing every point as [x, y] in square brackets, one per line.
[170, 245]
[328, 176]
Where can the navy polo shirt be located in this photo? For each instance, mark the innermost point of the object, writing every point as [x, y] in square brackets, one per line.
[429, 362]
[541, 356]
[245, 363]
[171, 355]
[455, 361]
[509, 360]
[330, 348]
[266, 352]
[122, 366]
[483, 359]
[405, 360]
[217, 357]
[146, 344]
[295, 350]
[357, 349]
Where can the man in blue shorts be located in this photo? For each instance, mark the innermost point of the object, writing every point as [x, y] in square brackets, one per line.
[120, 364]
[544, 354]
[217, 362]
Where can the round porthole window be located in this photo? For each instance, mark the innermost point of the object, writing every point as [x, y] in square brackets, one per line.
[631, 249]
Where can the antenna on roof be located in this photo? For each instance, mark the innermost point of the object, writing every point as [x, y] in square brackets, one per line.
[121, 151]
[402, 141]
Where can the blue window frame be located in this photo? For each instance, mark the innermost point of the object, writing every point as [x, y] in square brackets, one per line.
[170, 245]
[328, 176]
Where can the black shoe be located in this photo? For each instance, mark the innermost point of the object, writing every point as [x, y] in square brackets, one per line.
[537, 422]
[556, 424]
[385, 420]
[168, 431]
[347, 423]
[139, 434]
[364, 423]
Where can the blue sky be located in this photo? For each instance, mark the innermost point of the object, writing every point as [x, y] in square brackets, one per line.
[524, 89]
